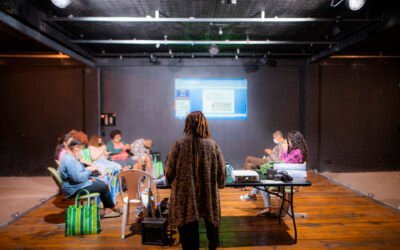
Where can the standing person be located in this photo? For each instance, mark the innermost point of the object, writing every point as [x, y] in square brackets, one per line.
[272, 155]
[195, 168]
[119, 150]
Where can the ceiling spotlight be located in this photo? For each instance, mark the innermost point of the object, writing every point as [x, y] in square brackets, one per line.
[157, 45]
[220, 31]
[236, 57]
[153, 59]
[120, 57]
[355, 5]
[61, 3]
[170, 51]
[228, 1]
[237, 51]
[213, 49]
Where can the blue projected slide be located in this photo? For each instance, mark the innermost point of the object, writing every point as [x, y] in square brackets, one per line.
[217, 98]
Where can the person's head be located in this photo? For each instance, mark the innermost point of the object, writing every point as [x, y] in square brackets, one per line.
[82, 137]
[67, 139]
[96, 141]
[196, 125]
[74, 147]
[148, 143]
[278, 137]
[296, 141]
[116, 135]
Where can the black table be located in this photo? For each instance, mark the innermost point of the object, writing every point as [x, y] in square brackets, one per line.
[263, 185]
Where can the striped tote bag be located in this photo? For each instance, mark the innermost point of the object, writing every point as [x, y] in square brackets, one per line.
[82, 219]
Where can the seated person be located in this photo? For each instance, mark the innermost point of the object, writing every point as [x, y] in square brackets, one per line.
[296, 151]
[76, 177]
[99, 155]
[119, 150]
[253, 162]
[141, 153]
[62, 146]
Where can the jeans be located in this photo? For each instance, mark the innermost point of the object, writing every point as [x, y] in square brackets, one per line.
[102, 188]
[189, 235]
[265, 195]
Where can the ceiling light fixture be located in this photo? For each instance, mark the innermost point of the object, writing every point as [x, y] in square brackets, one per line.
[61, 3]
[238, 51]
[355, 5]
[220, 31]
[213, 49]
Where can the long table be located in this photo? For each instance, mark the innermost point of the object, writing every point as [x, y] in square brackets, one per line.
[264, 185]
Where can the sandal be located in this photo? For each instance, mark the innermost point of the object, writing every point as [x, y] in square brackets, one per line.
[265, 212]
[247, 197]
[112, 214]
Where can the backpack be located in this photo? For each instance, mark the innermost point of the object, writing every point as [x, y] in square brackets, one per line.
[229, 178]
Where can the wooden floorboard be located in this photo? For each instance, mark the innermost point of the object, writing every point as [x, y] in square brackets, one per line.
[336, 218]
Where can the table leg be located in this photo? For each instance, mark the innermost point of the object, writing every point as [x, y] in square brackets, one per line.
[282, 205]
[292, 214]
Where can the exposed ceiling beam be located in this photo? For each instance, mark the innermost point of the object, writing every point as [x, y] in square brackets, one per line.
[392, 19]
[208, 20]
[200, 54]
[196, 42]
[19, 26]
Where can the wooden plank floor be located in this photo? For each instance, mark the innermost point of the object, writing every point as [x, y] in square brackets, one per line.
[337, 218]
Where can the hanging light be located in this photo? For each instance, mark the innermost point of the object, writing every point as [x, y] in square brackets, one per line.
[355, 5]
[213, 49]
[61, 3]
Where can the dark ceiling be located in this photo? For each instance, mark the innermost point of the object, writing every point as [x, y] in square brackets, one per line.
[378, 32]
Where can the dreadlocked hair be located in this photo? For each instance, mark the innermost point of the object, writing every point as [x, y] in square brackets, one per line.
[297, 140]
[196, 127]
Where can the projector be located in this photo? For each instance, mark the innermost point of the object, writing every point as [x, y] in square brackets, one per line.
[245, 176]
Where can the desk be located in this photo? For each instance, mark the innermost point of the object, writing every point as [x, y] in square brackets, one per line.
[263, 185]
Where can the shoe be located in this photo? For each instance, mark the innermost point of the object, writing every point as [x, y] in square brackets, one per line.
[247, 197]
[112, 215]
[264, 212]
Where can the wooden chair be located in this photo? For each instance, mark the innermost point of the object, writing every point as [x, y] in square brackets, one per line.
[134, 180]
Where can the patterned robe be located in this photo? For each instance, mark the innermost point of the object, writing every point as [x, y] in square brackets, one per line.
[188, 203]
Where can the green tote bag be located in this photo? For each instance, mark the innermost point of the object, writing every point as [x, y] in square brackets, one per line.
[82, 219]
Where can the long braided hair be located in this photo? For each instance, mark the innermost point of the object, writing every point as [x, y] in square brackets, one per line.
[297, 140]
[196, 127]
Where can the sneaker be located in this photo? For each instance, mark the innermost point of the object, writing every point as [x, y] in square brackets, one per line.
[247, 197]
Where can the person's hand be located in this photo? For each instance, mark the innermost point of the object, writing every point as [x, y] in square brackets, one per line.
[92, 168]
[127, 147]
[268, 151]
[285, 145]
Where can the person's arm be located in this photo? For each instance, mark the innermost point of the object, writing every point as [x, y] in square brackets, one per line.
[293, 156]
[275, 154]
[221, 172]
[96, 153]
[170, 164]
[75, 172]
[112, 150]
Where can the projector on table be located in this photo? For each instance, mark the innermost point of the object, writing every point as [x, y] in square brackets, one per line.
[245, 176]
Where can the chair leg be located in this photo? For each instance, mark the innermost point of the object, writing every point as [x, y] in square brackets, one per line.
[127, 213]
[124, 220]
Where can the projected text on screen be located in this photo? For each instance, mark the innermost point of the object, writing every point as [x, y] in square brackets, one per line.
[217, 98]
